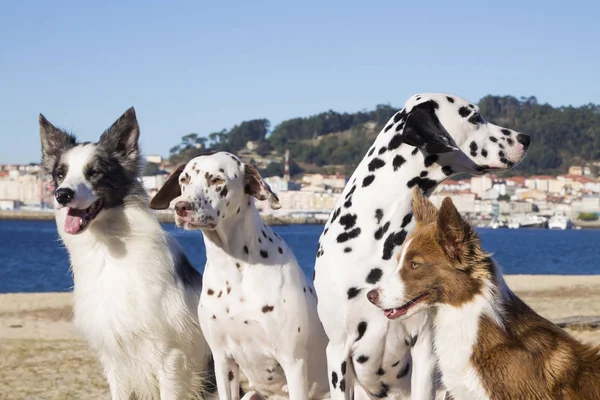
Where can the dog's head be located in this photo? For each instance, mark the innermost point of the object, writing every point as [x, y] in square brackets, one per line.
[454, 130]
[88, 178]
[212, 188]
[441, 261]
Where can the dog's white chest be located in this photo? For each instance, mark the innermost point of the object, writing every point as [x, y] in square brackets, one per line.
[454, 348]
[234, 312]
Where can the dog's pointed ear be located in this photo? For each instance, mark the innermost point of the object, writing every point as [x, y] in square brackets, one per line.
[170, 190]
[122, 137]
[54, 142]
[423, 210]
[424, 130]
[255, 186]
[453, 231]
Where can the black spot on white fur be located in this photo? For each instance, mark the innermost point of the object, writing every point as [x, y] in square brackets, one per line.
[406, 220]
[396, 142]
[334, 379]
[425, 184]
[374, 276]
[353, 292]
[378, 215]
[473, 148]
[381, 231]
[393, 240]
[431, 159]
[361, 329]
[464, 112]
[450, 99]
[345, 236]
[348, 221]
[368, 180]
[447, 170]
[398, 161]
[362, 359]
[375, 164]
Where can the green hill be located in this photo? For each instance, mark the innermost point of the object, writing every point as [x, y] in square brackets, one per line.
[333, 141]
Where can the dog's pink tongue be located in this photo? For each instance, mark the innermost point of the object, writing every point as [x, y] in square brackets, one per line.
[72, 222]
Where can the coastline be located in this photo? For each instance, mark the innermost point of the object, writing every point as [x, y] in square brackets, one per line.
[42, 356]
[167, 217]
[163, 217]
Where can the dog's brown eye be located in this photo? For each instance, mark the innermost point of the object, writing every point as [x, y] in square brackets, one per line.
[93, 173]
[218, 181]
[415, 264]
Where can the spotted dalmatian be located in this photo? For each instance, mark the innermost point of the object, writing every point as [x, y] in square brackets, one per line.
[434, 137]
[257, 309]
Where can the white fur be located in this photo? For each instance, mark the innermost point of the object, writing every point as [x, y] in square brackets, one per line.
[280, 350]
[128, 301]
[77, 159]
[337, 270]
[455, 335]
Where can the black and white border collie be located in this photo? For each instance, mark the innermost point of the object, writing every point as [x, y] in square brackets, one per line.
[135, 293]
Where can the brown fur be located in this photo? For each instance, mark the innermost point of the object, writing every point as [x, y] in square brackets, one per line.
[526, 358]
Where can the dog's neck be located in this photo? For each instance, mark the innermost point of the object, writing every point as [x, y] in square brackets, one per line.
[458, 329]
[390, 192]
[238, 236]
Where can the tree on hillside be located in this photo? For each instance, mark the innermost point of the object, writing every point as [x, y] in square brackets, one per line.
[254, 130]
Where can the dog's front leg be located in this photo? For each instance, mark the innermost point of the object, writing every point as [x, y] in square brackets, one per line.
[227, 373]
[341, 374]
[174, 379]
[422, 381]
[296, 376]
[117, 390]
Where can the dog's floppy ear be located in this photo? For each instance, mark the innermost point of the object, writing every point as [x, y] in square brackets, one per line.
[453, 232]
[423, 210]
[255, 186]
[168, 191]
[54, 143]
[121, 139]
[424, 130]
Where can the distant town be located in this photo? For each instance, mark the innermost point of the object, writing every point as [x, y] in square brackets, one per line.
[488, 200]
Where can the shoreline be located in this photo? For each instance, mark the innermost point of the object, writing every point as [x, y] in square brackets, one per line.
[168, 218]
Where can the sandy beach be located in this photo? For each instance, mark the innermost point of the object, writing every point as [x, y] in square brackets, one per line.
[42, 356]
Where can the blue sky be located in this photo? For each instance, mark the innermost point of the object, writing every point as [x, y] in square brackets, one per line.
[197, 66]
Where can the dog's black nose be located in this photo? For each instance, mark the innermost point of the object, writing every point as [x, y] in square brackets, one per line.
[182, 208]
[373, 296]
[523, 139]
[64, 196]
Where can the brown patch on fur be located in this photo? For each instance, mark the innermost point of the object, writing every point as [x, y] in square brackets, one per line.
[256, 187]
[528, 357]
[531, 358]
[267, 309]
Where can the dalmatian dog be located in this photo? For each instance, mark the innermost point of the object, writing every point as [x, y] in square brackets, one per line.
[434, 137]
[257, 309]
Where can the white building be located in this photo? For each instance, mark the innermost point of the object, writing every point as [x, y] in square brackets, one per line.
[154, 158]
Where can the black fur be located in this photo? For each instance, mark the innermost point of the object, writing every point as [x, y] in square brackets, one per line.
[114, 169]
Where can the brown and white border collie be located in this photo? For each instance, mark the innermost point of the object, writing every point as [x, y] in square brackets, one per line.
[488, 343]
